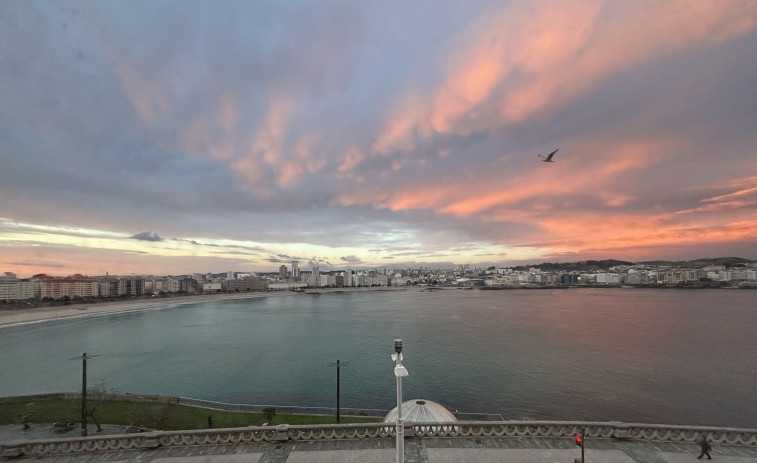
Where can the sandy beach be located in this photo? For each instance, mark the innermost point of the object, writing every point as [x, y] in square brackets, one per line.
[37, 314]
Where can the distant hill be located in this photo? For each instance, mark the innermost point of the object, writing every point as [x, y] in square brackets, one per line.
[582, 265]
[703, 262]
[593, 265]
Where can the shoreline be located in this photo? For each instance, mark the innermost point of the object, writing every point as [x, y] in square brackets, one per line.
[26, 316]
[31, 315]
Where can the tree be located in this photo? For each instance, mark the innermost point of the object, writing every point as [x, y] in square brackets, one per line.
[269, 413]
[98, 396]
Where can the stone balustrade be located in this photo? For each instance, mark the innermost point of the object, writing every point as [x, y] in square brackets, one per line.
[461, 429]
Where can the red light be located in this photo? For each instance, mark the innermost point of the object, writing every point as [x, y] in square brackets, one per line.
[579, 441]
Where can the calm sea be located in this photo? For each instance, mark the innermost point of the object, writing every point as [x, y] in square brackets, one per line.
[633, 355]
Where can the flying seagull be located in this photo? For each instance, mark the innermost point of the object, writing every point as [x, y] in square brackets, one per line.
[548, 158]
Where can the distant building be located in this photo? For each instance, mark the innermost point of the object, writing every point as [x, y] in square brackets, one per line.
[283, 274]
[295, 270]
[108, 287]
[188, 285]
[244, 284]
[212, 287]
[288, 285]
[131, 286]
[14, 289]
[71, 286]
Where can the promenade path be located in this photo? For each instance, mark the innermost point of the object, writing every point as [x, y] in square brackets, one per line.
[421, 450]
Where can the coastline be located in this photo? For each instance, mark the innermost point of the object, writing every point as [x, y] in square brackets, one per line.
[15, 317]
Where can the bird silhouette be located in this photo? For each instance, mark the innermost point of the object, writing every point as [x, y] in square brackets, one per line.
[548, 158]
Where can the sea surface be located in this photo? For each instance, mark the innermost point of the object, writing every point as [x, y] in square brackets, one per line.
[634, 355]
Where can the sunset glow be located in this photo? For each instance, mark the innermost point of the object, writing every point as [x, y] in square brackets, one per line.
[241, 136]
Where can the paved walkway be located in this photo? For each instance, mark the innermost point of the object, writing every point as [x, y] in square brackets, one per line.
[423, 450]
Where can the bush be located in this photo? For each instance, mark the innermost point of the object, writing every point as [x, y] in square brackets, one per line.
[269, 413]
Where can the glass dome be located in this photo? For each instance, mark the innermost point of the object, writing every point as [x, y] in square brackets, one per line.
[421, 411]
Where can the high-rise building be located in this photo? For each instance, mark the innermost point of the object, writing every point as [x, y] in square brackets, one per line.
[295, 270]
[283, 272]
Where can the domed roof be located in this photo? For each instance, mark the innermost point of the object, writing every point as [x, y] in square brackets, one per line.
[421, 411]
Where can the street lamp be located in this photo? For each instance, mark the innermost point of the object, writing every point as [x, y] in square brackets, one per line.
[338, 365]
[399, 372]
[84, 358]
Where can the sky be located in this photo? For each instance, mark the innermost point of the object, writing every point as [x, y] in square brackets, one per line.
[184, 136]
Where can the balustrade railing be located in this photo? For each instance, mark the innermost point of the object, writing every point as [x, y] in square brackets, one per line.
[462, 429]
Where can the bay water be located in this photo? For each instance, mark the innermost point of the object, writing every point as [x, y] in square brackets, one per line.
[664, 356]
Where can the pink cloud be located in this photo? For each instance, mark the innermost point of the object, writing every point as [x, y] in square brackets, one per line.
[352, 158]
[269, 141]
[249, 168]
[529, 57]
[147, 96]
[290, 172]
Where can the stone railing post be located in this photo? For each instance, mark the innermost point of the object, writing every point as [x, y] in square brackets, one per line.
[282, 433]
[620, 430]
[151, 440]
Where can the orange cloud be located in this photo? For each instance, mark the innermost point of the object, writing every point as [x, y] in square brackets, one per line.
[302, 160]
[408, 116]
[269, 141]
[268, 146]
[534, 56]
[352, 158]
[597, 232]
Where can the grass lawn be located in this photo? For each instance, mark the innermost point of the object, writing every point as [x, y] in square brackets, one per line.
[166, 417]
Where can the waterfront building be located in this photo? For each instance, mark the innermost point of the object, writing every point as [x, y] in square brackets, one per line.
[72, 286]
[286, 285]
[498, 281]
[244, 284]
[283, 272]
[8, 286]
[212, 287]
[400, 281]
[108, 287]
[188, 285]
[155, 285]
[131, 286]
[608, 278]
[171, 285]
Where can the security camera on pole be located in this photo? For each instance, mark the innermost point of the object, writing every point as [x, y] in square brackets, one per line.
[399, 372]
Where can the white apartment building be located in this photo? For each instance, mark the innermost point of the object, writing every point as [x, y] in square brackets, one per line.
[8, 283]
[211, 287]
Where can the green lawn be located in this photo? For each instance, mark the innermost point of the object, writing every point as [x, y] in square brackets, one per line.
[150, 415]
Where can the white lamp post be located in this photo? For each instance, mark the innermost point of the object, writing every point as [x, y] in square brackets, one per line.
[399, 372]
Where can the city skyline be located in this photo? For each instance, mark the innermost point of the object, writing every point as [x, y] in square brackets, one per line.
[183, 137]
